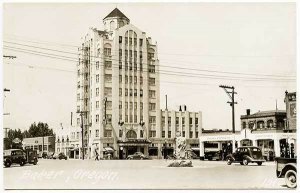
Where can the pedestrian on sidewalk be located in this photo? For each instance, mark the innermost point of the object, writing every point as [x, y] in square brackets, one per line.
[97, 156]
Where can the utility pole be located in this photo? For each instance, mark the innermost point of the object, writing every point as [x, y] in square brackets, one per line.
[166, 102]
[5, 90]
[82, 130]
[229, 90]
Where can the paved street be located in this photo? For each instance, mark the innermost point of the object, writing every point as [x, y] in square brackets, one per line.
[139, 174]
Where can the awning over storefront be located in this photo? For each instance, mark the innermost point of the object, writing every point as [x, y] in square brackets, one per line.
[108, 149]
[134, 142]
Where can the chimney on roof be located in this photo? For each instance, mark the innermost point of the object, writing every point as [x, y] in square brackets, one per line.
[180, 108]
[184, 107]
[248, 111]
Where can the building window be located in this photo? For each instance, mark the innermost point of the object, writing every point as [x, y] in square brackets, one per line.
[97, 65]
[269, 123]
[163, 134]
[135, 41]
[183, 133]
[197, 134]
[244, 125]
[141, 106]
[169, 120]
[130, 92]
[141, 42]
[107, 51]
[141, 92]
[152, 106]
[130, 105]
[120, 133]
[108, 77]
[126, 79]
[109, 118]
[191, 120]
[135, 92]
[141, 133]
[97, 104]
[183, 120]
[120, 104]
[152, 81]
[152, 93]
[120, 78]
[97, 118]
[191, 134]
[109, 105]
[78, 97]
[97, 78]
[177, 120]
[169, 134]
[152, 133]
[120, 91]
[141, 80]
[97, 133]
[196, 121]
[97, 91]
[152, 119]
[135, 79]
[107, 133]
[260, 124]
[107, 64]
[107, 91]
[151, 68]
[120, 39]
[78, 121]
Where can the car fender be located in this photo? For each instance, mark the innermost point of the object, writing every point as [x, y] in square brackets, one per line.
[248, 158]
[287, 167]
[230, 156]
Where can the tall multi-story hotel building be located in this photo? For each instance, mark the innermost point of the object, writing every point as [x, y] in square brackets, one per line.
[118, 94]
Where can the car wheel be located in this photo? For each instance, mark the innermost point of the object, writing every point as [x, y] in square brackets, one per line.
[66, 158]
[7, 164]
[35, 162]
[245, 162]
[291, 179]
[259, 163]
[241, 163]
[22, 163]
[229, 162]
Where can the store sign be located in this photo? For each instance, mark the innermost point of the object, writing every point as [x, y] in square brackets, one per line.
[292, 97]
[217, 138]
[264, 136]
[293, 110]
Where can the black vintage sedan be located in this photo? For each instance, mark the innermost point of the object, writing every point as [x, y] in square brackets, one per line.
[245, 155]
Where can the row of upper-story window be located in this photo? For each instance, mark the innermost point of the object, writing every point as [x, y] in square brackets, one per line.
[130, 41]
[191, 134]
[133, 92]
[128, 92]
[191, 120]
[260, 124]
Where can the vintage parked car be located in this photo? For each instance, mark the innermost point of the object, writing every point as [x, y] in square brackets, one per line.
[287, 168]
[18, 156]
[60, 156]
[212, 155]
[137, 155]
[245, 155]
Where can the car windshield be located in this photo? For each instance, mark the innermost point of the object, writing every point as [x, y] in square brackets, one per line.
[255, 149]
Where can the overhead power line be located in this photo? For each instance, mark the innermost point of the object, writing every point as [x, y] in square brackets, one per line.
[173, 73]
[75, 60]
[167, 66]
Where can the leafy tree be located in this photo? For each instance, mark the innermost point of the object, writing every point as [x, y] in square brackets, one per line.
[40, 130]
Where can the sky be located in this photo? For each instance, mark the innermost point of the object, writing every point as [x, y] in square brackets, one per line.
[223, 40]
